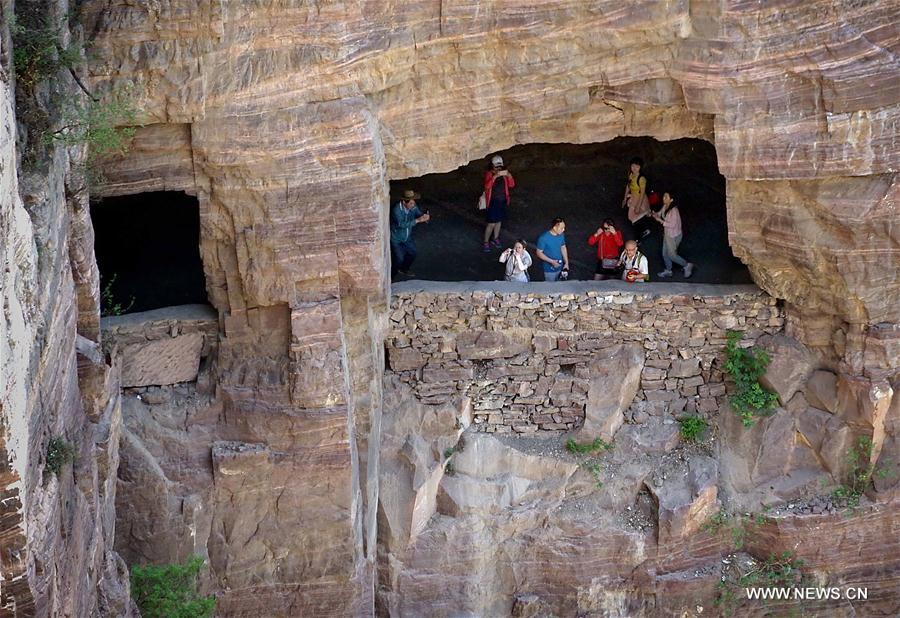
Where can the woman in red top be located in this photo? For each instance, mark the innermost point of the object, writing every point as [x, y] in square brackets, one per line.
[609, 246]
[497, 183]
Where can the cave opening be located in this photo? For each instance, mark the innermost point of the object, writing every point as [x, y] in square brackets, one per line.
[583, 184]
[148, 251]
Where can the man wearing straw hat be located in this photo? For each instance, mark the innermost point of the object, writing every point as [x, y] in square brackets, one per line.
[404, 216]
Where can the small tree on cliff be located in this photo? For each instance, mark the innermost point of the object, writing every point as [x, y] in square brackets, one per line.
[170, 590]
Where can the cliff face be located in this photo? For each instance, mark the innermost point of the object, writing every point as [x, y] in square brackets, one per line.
[287, 119]
[57, 528]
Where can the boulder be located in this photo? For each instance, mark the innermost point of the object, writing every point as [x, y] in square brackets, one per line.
[791, 365]
[821, 390]
[686, 501]
[615, 377]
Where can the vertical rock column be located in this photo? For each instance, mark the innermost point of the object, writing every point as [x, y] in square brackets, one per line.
[292, 241]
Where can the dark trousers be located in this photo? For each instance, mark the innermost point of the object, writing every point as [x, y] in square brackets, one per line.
[644, 223]
[403, 252]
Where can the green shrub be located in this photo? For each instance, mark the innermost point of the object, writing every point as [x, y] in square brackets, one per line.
[37, 52]
[59, 453]
[777, 571]
[587, 454]
[108, 303]
[576, 448]
[859, 457]
[692, 427]
[170, 590]
[97, 123]
[745, 366]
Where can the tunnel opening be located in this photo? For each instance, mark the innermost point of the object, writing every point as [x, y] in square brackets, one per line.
[148, 251]
[583, 184]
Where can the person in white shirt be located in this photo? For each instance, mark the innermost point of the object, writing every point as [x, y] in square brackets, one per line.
[634, 264]
[670, 218]
[517, 261]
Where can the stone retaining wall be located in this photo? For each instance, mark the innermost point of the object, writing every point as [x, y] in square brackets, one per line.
[527, 355]
[162, 346]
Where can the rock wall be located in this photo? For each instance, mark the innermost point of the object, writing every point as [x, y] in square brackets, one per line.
[287, 119]
[532, 358]
[57, 531]
[488, 512]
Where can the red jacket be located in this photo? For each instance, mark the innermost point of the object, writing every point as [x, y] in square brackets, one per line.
[489, 185]
[608, 246]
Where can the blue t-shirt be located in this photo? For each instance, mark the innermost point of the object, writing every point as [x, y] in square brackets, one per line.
[552, 247]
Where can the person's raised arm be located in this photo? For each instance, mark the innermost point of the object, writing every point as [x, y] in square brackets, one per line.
[593, 238]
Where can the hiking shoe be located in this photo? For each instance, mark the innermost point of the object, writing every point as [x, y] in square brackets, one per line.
[688, 270]
[665, 273]
[496, 242]
[486, 247]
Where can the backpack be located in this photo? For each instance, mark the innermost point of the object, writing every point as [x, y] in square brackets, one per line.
[638, 256]
[653, 198]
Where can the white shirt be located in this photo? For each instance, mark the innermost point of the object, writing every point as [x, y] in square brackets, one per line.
[638, 262]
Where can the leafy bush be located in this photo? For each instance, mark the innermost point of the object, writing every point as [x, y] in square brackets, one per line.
[59, 453]
[861, 472]
[170, 590]
[37, 52]
[745, 366]
[97, 124]
[692, 427]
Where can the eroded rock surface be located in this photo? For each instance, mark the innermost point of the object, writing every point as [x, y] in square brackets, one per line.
[287, 120]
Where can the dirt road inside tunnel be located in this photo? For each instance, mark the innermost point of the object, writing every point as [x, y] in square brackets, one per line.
[582, 184]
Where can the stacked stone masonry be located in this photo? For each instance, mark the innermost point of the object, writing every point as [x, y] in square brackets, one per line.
[520, 355]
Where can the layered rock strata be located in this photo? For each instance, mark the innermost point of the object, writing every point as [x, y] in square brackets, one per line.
[287, 120]
[57, 522]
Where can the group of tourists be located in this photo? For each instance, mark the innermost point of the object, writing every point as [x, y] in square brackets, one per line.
[616, 258]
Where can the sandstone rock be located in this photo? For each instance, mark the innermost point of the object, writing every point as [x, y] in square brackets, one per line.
[685, 368]
[528, 606]
[615, 377]
[821, 391]
[415, 440]
[791, 365]
[405, 359]
[490, 477]
[484, 345]
[769, 462]
[686, 502]
[165, 361]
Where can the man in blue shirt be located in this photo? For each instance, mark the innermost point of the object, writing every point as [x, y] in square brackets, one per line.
[404, 216]
[551, 250]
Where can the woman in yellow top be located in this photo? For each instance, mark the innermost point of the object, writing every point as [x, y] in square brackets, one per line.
[635, 199]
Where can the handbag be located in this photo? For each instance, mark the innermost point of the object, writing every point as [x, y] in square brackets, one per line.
[482, 202]
[607, 263]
